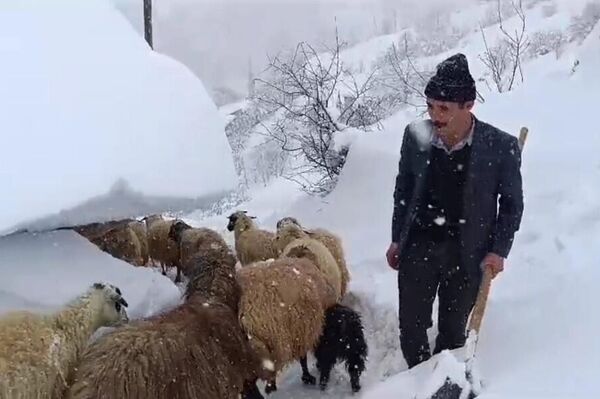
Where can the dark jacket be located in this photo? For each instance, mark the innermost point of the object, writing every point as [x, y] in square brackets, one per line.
[493, 195]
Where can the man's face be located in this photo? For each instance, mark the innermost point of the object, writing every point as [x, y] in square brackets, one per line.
[448, 117]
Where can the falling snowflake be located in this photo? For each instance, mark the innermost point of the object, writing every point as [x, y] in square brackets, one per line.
[440, 220]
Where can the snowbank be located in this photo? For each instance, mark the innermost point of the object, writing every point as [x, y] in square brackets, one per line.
[41, 272]
[86, 103]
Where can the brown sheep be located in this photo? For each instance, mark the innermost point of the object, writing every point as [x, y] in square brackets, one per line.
[251, 243]
[193, 240]
[329, 239]
[196, 350]
[142, 234]
[162, 250]
[317, 252]
[282, 308]
[121, 242]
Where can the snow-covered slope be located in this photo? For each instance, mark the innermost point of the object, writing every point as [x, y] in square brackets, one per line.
[86, 103]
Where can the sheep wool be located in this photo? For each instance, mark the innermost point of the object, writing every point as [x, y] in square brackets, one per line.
[318, 253]
[289, 229]
[282, 307]
[192, 241]
[38, 351]
[196, 350]
[141, 232]
[121, 242]
[161, 249]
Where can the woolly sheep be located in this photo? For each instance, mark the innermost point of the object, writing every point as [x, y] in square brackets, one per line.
[196, 350]
[38, 351]
[140, 230]
[119, 238]
[251, 243]
[193, 240]
[332, 241]
[121, 242]
[318, 253]
[282, 308]
[162, 250]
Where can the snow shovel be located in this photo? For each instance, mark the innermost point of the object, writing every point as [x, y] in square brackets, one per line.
[467, 386]
[469, 389]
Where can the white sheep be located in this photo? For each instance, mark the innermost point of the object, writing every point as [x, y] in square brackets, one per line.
[39, 351]
[251, 243]
[288, 229]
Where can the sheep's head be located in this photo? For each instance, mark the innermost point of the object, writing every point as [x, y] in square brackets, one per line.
[286, 234]
[177, 230]
[148, 220]
[212, 275]
[287, 221]
[240, 220]
[113, 304]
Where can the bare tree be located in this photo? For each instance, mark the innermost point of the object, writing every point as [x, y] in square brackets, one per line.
[504, 60]
[496, 59]
[400, 81]
[314, 97]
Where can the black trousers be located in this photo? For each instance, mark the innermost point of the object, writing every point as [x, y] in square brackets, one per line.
[430, 264]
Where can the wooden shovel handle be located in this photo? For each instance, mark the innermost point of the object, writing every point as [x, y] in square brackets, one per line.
[523, 137]
[482, 296]
[486, 281]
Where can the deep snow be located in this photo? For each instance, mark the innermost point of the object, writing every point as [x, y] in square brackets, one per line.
[85, 103]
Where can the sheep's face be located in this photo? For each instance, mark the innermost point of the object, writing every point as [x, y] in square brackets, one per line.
[113, 305]
[232, 220]
[239, 219]
[288, 220]
[177, 230]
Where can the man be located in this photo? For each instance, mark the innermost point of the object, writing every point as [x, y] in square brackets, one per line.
[458, 202]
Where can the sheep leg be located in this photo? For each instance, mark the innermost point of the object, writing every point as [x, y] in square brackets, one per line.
[325, 369]
[251, 391]
[271, 386]
[178, 277]
[355, 379]
[307, 378]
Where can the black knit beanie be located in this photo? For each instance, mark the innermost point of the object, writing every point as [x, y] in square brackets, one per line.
[452, 81]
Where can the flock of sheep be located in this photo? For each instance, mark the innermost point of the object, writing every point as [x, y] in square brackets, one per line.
[248, 312]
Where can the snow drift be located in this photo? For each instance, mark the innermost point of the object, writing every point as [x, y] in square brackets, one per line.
[85, 103]
[41, 272]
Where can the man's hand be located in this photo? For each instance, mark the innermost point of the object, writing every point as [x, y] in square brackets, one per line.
[494, 262]
[392, 256]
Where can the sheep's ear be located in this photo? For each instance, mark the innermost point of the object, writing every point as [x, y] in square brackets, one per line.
[122, 301]
[252, 217]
